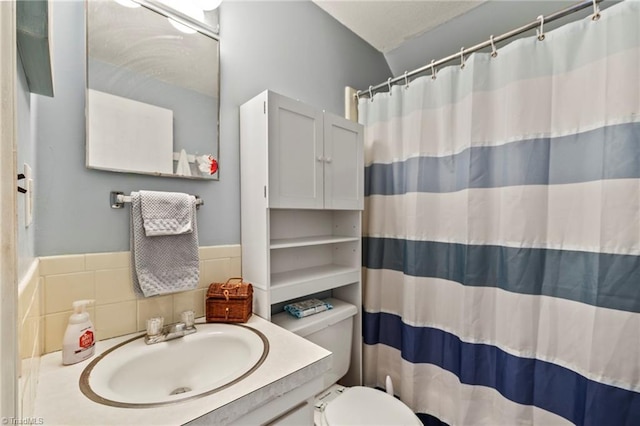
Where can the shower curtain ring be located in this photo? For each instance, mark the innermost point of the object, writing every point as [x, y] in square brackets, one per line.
[596, 11]
[370, 93]
[357, 96]
[406, 80]
[462, 58]
[433, 70]
[540, 32]
[494, 52]
[389, 84]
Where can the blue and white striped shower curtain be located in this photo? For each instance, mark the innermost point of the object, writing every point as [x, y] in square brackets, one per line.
[502, 232]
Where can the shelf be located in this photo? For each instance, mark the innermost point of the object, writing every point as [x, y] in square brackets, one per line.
[310, 241]
[300, 282]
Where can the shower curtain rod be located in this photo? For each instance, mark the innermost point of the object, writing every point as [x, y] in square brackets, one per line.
[537, 23]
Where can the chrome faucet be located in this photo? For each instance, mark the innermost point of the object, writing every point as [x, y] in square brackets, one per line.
[158, 332]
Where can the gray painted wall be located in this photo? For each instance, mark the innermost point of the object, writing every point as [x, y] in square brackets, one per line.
[476, 26]
[25, 154]
[293, 48]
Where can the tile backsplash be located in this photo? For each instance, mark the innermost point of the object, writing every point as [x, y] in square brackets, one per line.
[52, 284]
[106, 278]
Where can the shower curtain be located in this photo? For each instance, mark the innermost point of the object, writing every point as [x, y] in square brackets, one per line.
[502, 232]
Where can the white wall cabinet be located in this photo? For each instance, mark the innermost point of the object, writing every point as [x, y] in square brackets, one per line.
[302, 193]
[314, 157]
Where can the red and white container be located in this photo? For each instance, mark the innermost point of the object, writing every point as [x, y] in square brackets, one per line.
[78, 343]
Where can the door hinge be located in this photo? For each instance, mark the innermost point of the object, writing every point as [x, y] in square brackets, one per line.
[265, 191]
[264, 107]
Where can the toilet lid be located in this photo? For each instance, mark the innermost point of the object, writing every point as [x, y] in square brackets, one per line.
[364, 406]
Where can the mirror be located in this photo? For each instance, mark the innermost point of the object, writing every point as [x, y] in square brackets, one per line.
[152, 88]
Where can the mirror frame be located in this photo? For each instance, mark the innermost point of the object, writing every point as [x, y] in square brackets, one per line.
[201, 27]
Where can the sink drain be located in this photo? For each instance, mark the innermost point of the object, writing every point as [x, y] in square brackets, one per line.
[178, 391]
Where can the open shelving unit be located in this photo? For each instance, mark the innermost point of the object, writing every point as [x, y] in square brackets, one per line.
[309, 241]
[299, 241]
[311, 251]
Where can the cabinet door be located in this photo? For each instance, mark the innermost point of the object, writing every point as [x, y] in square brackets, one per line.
[295, 154]
[344, 164]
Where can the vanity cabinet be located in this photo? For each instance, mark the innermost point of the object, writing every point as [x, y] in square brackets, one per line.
[302, 193]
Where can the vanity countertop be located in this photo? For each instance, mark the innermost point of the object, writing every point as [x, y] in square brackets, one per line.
[292, 361]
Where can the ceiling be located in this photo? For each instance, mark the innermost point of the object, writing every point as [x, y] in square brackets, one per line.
[411, 33]
[386, 24]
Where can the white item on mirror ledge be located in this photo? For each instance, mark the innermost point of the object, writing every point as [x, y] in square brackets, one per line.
[183, 169]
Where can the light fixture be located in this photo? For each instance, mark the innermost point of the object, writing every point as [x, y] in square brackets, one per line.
[210, 4]
[189, 8]
[127, 3]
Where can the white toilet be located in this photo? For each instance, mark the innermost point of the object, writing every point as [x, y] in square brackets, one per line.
[339, 405]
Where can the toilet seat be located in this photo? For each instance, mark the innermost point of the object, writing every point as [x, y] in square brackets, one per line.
[364, 406]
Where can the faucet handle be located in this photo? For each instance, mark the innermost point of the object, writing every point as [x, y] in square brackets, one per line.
[154, 326]
[188, 318]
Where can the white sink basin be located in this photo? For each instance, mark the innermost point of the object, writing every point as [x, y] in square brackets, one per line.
[134, 374]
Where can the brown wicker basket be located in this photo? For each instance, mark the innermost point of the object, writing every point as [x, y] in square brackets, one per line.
[230, 301]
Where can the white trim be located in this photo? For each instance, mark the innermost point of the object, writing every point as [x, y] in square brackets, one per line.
[28, 276]
[8, 219]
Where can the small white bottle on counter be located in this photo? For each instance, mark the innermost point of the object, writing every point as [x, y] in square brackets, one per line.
[78, 343]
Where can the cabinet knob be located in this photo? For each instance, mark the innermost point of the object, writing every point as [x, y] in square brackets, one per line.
[319, 158]
[328, 159]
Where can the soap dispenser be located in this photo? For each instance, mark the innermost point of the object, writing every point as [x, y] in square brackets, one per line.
[78, 343]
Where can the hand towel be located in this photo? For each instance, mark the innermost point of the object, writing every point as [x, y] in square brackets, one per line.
[166, 213]
[183, 168]
[162, 264]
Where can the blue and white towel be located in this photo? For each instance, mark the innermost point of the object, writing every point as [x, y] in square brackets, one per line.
[307, 307]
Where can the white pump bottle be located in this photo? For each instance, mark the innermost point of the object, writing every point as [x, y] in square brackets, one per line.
[78, 343]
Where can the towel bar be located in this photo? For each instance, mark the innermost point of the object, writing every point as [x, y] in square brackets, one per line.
[117, 200]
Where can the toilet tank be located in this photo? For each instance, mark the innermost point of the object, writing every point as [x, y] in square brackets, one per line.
[330, 329]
